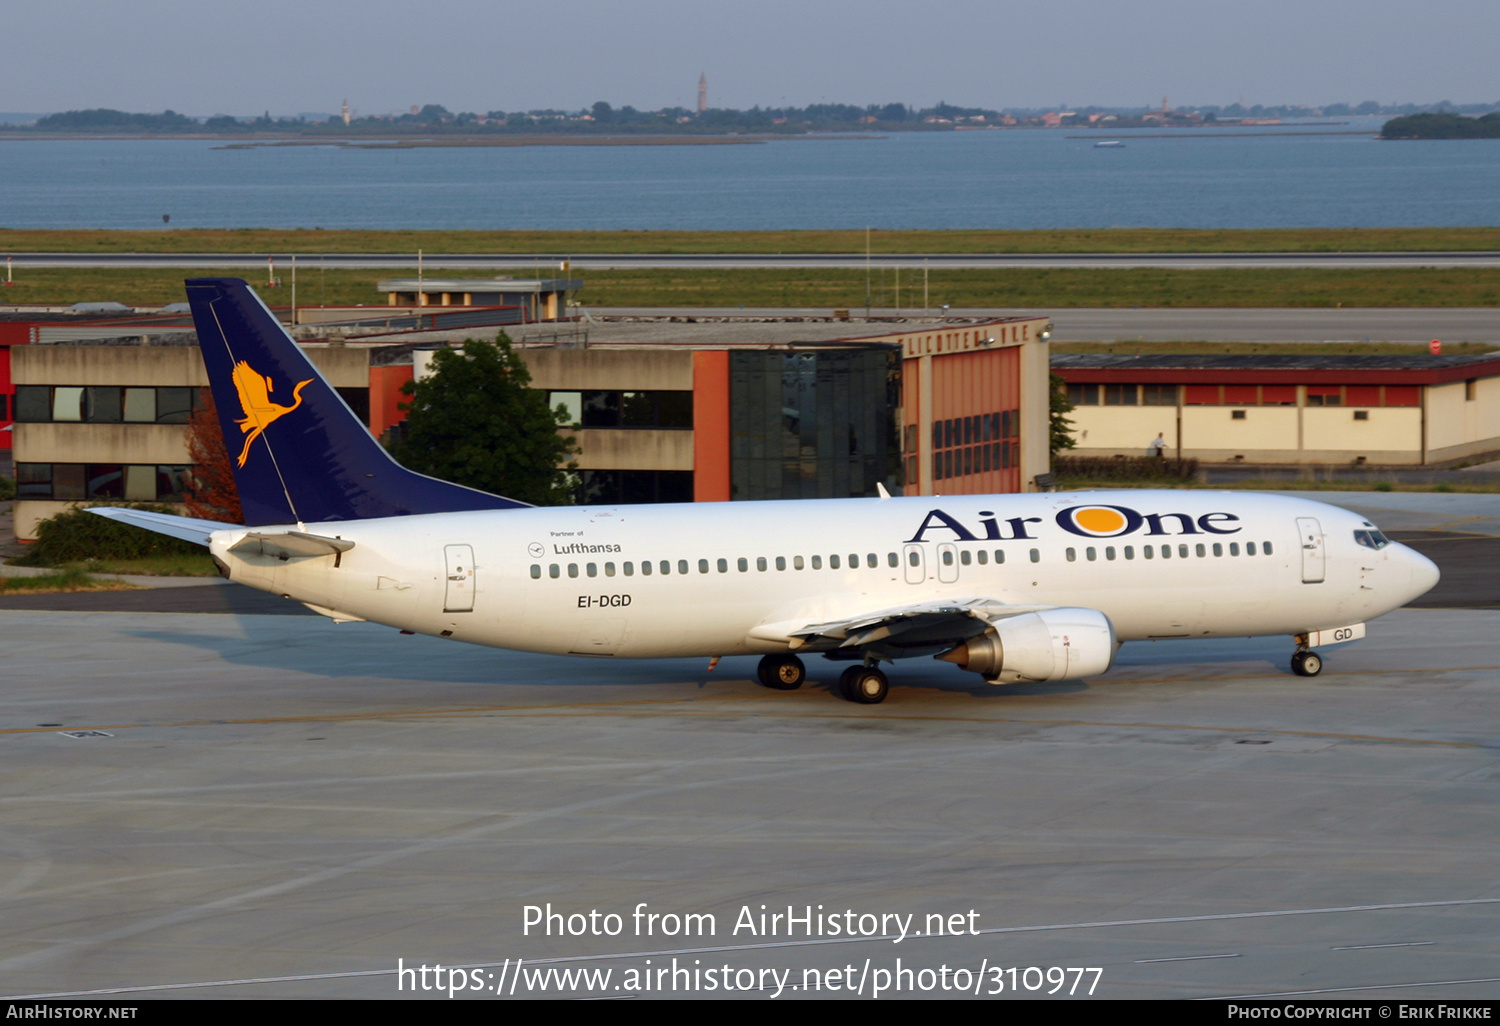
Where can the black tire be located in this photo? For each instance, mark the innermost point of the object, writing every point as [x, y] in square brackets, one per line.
[1307, 664]
[846, 683]
[782, 672]
[869, 686]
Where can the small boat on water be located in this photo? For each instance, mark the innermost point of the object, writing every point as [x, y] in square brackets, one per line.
[1108, 144]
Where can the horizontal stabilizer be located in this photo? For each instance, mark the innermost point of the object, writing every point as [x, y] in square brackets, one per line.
[187, 528]
[286, 545]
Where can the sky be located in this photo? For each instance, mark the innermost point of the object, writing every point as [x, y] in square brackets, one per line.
[209, 57]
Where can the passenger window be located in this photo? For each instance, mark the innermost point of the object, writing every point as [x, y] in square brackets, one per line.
[572, 569]
[629, 569]
[984, 557]
[1265, 547]
[1072, 555]
[854, 561]
[1166, 551]
[1130, 552]
[913, 558]
[796, 562]
[1234, 548]
[682, 566]
[1218, 549]
[1036, 555]
[1147, 551]
[760, 562]
[702, 566]
[873, 562]
[1249, 548]
[554, 571]
[609, 569]
[1201, 551]
[645, 568]
[593, 569]
[833, 561]
[817, 562]
[1182, 551]
[665, 567]
[1090, 553]
[744, 565]
[890, 557]
[781, 562]
[536, 571]
[965, 557]
[1109, 552]
[723, 565]
[947, 558]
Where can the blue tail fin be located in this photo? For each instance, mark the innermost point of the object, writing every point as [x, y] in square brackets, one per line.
[300, 455]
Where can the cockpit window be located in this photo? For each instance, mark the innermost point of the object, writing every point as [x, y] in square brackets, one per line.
[1371, 539]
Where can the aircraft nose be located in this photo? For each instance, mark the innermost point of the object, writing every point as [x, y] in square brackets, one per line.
[1424, 573]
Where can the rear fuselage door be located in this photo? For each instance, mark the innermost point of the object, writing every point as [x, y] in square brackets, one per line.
[459, 594]
[1314, 554]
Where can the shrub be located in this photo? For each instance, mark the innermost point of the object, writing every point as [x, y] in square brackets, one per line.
[76, 535]
[7, 489]
[1124, 468]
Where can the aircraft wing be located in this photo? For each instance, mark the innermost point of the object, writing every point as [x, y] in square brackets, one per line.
[186, 528]
[915, 629]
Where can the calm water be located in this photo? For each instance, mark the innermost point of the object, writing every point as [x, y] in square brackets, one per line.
[997, 179]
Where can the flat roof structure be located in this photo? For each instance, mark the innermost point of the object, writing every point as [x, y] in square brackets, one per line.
[1384, 409]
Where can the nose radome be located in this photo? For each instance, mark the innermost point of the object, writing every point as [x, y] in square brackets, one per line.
[1424, 573]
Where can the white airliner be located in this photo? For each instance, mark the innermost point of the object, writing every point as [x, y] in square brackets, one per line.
[1039, 587]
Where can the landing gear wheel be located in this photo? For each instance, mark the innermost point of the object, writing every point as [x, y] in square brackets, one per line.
[782, 672]
[866, 685]
[1307, 664]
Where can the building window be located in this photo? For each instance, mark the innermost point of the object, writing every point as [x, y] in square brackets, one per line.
[1120, 395]
[1159, 395]
[611, 409]
[1083, 395]
[1361, 414]
[106, 404]
[1236, 414]
[82, 481]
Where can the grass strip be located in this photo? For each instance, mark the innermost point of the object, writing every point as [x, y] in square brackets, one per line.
[68, 580]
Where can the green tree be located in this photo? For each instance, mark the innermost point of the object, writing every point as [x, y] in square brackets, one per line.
[1061, 435]
[476, 420]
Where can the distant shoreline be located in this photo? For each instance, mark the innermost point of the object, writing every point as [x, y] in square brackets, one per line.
[399, 142]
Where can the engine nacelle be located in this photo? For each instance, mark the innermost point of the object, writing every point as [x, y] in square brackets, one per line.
[1053, 644]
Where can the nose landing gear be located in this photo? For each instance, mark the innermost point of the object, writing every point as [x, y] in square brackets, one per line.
[1306, 663]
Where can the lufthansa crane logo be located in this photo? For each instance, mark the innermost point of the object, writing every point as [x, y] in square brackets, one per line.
[255, 390]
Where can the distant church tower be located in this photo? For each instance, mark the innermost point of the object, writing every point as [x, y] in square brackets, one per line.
[346, 112]
[702, 92]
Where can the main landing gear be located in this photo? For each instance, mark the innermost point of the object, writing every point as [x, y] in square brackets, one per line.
[866, 685]
[1306, 663]
[782, 672]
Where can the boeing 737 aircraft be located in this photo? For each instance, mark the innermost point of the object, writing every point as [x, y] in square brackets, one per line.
[1040, 587]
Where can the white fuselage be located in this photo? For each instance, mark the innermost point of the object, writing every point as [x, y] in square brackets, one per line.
[735, 577]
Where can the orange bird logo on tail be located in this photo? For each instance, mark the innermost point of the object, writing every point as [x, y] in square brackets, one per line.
[255, 399]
